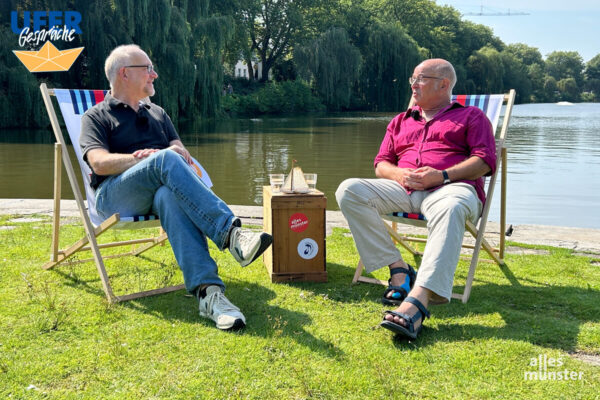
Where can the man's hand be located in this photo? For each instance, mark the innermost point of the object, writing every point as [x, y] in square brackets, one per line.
[141, 154]
[400, 175]
[178, 148]
[422, 178]
[388, 170]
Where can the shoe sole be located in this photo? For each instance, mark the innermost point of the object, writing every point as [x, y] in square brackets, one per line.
[391, 302]
[400, 330]
[265, 242]
[237, 325]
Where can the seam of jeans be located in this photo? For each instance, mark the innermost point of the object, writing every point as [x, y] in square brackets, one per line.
[222, 235]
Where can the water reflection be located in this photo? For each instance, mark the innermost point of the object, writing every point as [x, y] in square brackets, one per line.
[554, 155]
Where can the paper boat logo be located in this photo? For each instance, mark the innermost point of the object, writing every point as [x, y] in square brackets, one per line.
[48, 58]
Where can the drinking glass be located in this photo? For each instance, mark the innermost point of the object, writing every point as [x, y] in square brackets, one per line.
[311, 181]
[276, 181]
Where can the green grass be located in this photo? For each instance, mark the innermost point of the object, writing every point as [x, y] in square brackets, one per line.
[59, 337]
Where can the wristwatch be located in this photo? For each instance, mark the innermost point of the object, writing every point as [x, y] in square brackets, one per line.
[446, 177]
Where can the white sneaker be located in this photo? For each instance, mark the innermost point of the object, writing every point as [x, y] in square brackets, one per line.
[246, 245]
[216, 307]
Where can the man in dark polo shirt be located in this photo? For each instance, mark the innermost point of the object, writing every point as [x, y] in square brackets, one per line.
[140, 166]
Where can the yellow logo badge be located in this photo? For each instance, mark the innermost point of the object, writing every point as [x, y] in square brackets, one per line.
[48, 58]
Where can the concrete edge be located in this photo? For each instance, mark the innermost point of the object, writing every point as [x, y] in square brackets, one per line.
[579, 239]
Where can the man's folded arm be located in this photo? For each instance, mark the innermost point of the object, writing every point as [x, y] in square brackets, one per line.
[470, 169]
[105, 163]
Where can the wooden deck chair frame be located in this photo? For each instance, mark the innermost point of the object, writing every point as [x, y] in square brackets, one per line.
[89, 242]
[477, 231]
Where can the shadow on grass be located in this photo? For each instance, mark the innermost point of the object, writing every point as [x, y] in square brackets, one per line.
[339, 286]
[527, 310]
[263, 319]
[547, 316]
[531, 311]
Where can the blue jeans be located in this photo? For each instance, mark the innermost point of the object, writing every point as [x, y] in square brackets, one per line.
[163, 184]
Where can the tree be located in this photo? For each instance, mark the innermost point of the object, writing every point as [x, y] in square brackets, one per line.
[390, 56]
[486, 69]
[532, 61]
[333, 64]
[272, 27]
[566, 67]
[184, 39]
[551, 92]
[433, 27]
[526, 54]
[537, 79]
[472, 37]
[438, 29]
[569, 90]
[592, 77]
[242, 47]
[516, 76]
[565, 64]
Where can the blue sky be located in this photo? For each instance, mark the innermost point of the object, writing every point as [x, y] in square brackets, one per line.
[565, 25]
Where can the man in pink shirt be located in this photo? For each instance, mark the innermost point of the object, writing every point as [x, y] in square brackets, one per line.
[432, 161]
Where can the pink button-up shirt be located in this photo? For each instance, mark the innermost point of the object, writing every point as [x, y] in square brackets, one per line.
[452, 136]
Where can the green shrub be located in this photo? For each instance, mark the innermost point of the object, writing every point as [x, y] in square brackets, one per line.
[273, 98]
[588, 97]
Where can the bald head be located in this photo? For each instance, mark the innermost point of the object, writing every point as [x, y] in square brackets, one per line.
[442, 68]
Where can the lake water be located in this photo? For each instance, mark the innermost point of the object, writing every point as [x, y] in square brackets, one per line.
[553, 159]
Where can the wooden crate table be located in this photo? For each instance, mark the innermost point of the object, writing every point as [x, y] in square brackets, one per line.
[297, 223]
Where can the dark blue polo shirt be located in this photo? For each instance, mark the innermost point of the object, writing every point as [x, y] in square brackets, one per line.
[116, 127]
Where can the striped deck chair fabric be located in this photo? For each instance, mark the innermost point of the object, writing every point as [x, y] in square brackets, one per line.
[490, 104]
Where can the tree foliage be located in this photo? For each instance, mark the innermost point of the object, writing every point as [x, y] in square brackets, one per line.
[486, 70]
[565, 64]
[333, 64]
[272, 27]
[592, 76]
[390, 56]
[358, 53]
[184, 39]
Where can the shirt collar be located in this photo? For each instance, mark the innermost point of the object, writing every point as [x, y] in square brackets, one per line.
[115, 103]
[415, 111]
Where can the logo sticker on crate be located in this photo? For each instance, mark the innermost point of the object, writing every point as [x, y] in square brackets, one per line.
[308, 248]
[298, 222]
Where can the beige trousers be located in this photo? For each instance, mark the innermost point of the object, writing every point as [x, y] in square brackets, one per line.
[362, 201]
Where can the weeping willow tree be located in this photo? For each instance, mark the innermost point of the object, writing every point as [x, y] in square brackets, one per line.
[184, 39]
[210, 36]
[185, 42]
[390, 56]
[333, 64]
[486, 70]
[20, 100]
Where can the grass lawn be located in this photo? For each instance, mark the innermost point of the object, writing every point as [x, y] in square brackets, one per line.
[59, 337]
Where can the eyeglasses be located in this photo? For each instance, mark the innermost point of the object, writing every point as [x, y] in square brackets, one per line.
[420, 79]
[149, 67]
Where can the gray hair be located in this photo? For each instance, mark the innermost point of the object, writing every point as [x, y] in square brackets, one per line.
[117, 59]
[446, 70]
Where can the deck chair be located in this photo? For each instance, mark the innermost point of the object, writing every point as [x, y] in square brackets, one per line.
[491, 105]
[73, 104]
